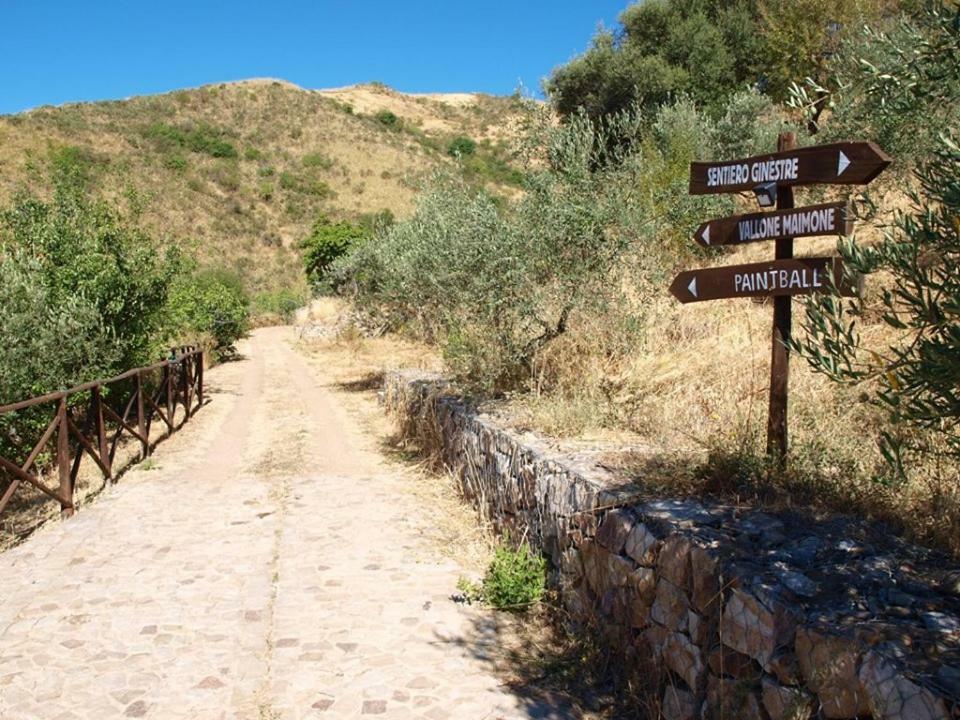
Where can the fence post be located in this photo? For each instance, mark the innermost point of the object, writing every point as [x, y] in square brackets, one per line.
[166, 391]
[185, 385]
[200, 377]
[141, 420]
[63, 460]
[103, 446]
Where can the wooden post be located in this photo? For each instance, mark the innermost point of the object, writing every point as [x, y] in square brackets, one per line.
[141, 419]
[200, 378]
[185, 385]
[777, 443]
[103, 447]
[168, 387]
[63, 461]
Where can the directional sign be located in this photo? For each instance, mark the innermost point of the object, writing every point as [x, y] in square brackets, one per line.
[845, 163]
[826, 219]
[801, 276]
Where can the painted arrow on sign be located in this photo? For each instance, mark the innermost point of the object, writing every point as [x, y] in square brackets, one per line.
[826, 219]
[801, 276]
[845, 163]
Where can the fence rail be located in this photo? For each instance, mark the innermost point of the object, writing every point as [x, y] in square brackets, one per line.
[128, 403]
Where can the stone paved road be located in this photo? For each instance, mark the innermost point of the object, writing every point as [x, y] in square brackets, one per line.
[269, 565]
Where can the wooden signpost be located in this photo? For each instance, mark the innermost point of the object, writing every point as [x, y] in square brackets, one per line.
[826, 219]
[775, 175]
[780, 277]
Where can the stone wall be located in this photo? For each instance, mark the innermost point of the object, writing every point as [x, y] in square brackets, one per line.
[729, 611]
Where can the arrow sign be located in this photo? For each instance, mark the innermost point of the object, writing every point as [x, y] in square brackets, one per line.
[846, 163]
[801, 276]
[825, 219]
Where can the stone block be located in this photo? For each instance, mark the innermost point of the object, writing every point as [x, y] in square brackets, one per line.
[655, 636]
[786, 703]
[673, 561]
[705, 579]
[892, 696]
[685, 659]
[670, 606]
[645, 582]
[614, 529]
[829, 666]
[749, 626]
[642, 545]
[677, 704]
[620, 572]
[726, 662]
[728, 699]
[785, 667]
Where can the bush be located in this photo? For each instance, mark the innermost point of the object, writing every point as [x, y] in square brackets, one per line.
[83, 249]
[283, 303]
[461, 147]
[327, 242]
[317, 160]
[252, 153]
[385, 117]
[211, 302]
[515, 579]
[199, 139]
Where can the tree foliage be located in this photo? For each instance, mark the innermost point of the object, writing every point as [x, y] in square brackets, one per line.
[212, 303]
[899, 85]
[326, 242]
[707, 50]
[918, 377]
[81, 249]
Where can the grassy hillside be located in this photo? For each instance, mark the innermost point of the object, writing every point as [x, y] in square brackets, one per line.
[239, 171]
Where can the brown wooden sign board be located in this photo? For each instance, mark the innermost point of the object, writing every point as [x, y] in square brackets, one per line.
[825, 219]
[844, 163]
[802, 276]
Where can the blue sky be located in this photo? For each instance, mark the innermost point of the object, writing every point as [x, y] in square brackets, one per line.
[56, 51]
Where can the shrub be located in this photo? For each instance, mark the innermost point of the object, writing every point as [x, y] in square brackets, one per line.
[177, 163]
[283, 303]
[317, 160]
[515, 579]
[210, 302]
[461, 147]
[86, 250]
[252, 153]
[199, 139]
[327, 242]
[387, 118]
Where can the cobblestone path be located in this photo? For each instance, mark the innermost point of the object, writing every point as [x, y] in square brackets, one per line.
[269, 565]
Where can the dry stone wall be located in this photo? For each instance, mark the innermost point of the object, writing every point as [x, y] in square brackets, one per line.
[730, 612]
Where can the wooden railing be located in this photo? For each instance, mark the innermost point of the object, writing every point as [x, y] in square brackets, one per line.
[92, 418]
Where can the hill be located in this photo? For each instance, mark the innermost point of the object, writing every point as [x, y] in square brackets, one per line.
[241, 170]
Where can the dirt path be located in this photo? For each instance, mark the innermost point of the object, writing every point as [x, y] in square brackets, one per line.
[269, 565]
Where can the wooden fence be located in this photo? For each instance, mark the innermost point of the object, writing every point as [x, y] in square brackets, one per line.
[92, 418]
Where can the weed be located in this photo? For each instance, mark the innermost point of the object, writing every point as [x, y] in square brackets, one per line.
[515, 579]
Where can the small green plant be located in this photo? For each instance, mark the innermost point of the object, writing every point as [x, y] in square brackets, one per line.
[385, 117]
[266, 171]
[461, 147]
[177, 163]
[252, 153]
[515, 579]
[317, 160]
